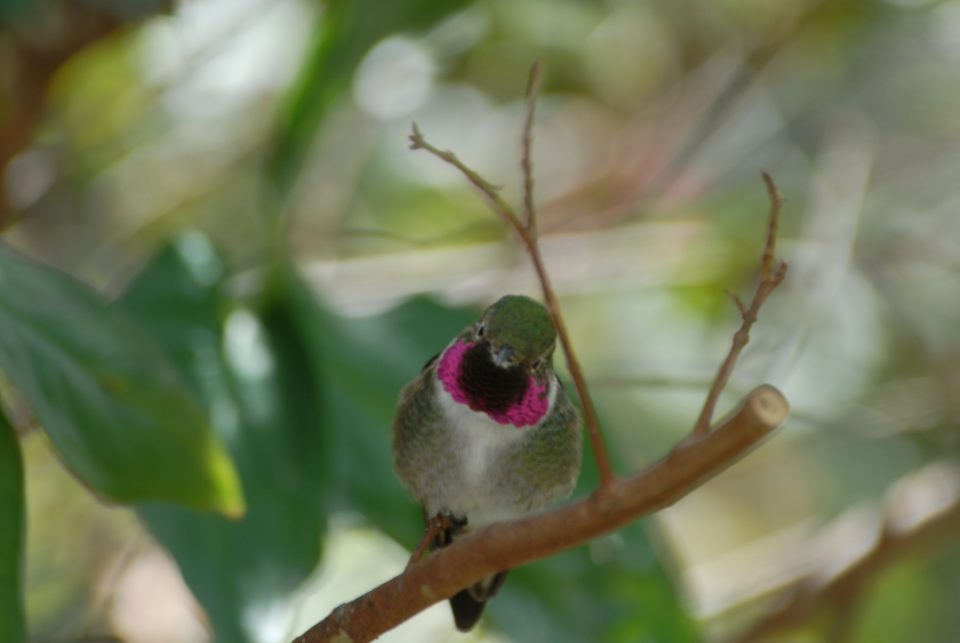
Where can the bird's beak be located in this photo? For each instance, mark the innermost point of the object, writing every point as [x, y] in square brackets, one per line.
[502, 356]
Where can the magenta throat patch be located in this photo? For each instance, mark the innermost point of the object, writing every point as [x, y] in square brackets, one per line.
[527, 411]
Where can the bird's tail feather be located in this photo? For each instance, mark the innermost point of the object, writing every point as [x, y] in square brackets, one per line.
[468, 604]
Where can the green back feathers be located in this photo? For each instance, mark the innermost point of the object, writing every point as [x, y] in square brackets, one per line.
[522, 323]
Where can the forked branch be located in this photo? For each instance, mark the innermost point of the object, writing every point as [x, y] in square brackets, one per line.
[767, 281]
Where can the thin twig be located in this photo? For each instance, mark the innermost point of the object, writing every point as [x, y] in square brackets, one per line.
[631, 380]
[529, 239]
[506, 545]
[533, 93]
[770, 246]
[769, 278]
[735, 298]
[487, 189]
[590, 417]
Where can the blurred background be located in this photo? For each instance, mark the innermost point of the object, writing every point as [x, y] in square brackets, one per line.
[174, 154]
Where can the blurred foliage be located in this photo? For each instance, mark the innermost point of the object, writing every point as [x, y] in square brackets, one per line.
[345, 32]
[107, 398]
[263, 405]
[216, 246]
[12, 535]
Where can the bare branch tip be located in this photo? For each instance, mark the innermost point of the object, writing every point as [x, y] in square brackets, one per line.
[526, 142]
[534, 79]
[769, 405]
[416, 138]
[779, 273]
[736, 301]
[771, 185]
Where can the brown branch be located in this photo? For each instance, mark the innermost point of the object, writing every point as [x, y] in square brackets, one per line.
[487, 189]
[510, 544]
[529, 239]
[769, 278]
[533, 92]
[822, 590]
[590, 417]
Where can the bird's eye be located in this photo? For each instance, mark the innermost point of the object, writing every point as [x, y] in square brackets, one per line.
[480, 330]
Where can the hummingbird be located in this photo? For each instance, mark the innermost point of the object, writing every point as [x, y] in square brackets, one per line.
[487, 432]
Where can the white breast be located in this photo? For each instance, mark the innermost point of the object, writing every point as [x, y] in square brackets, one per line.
[479, 443]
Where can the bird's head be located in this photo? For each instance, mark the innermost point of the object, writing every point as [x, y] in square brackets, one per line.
[503, 364]
[518, 332]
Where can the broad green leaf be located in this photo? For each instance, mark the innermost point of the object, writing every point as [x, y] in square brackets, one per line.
[112, 404]
[11, 534]
[257, 381]
[345, 31]
[366, 362]
[14, 11]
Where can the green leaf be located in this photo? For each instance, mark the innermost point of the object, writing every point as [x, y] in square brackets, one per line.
[257, 381]
[366, 362]
[344, 33]
[11, 534]
[113, 406]
[14, 13]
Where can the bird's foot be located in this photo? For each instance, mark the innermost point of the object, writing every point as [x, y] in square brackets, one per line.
[438, 533]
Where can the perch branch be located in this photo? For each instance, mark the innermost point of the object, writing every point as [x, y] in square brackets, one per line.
[510, 544]
[767, 281]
